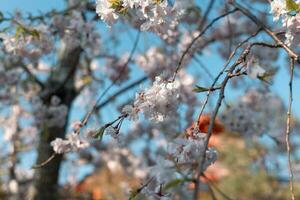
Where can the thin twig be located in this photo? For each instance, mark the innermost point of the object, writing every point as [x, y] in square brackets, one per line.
[32, 76]
[205, 69]
[273, 35]
[206, 13]
[239, 61]
[196, 38]
[223, 70]
[121, 91]
[45, 162]
[288, 129]
[212, 193]
[86, 118]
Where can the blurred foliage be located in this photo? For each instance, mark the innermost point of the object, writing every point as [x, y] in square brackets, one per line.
[245, 180]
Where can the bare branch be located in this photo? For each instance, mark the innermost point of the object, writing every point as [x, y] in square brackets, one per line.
[45, 162]
[121, 91]
[288, 129]
[272, 34]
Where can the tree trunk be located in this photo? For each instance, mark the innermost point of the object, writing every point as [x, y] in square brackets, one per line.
[45, 185]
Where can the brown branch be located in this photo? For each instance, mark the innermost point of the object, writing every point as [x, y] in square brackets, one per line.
[242, 58]
[206, 13]
[272, 34]
[45, 162]
[288, 129]
[223, 70]
[211, 192]
[239, 61]
[32, 76]
[210, 128]
[121, 91]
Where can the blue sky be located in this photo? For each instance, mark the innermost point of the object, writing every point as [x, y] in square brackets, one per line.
[29, 5]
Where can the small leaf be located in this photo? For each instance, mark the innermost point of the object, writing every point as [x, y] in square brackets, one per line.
[86, 79]
[174, 183]
[100, 132]
[199, 89]
[267, 75]
[292, 6]
[133, 194]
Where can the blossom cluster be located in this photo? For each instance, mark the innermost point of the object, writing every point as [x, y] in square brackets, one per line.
[154, 15]
[191, 151]
[184, 155]
[157, 103]
[75, 30]
[157, 59]
[73, 142]
[290, 18]
[28, 42]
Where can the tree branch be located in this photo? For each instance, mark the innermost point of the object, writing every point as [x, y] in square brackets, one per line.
[288, 129]
[121, 91]
[273, 35]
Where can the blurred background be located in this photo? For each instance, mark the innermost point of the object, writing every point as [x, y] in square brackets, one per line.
[251, 126]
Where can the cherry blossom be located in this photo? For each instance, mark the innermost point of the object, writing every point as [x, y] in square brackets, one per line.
[72, 143]
[157, 102]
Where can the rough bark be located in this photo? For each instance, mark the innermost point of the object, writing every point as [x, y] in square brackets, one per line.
[60, 84]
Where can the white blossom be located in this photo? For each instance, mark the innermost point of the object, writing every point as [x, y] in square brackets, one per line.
[155, 16]
[106, 12]
[254, 70]
[192, 150]
[163, 171]
[157, 103]
[291, 22]
[278, 8]
[73, 142]
[32, 45]
[131, 111]
[76, 125]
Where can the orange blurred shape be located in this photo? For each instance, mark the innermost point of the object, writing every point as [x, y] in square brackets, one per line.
[84, 187]
[213, 173]
[203, 122]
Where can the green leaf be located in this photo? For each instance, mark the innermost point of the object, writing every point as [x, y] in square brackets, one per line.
[115, 3]
[175, 183]
[199, 89]
[100, 132]
[133, 194]
[292, 6]
[267, 76]
[86, 79]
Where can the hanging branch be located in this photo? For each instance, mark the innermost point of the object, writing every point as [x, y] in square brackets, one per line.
[288, 129]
